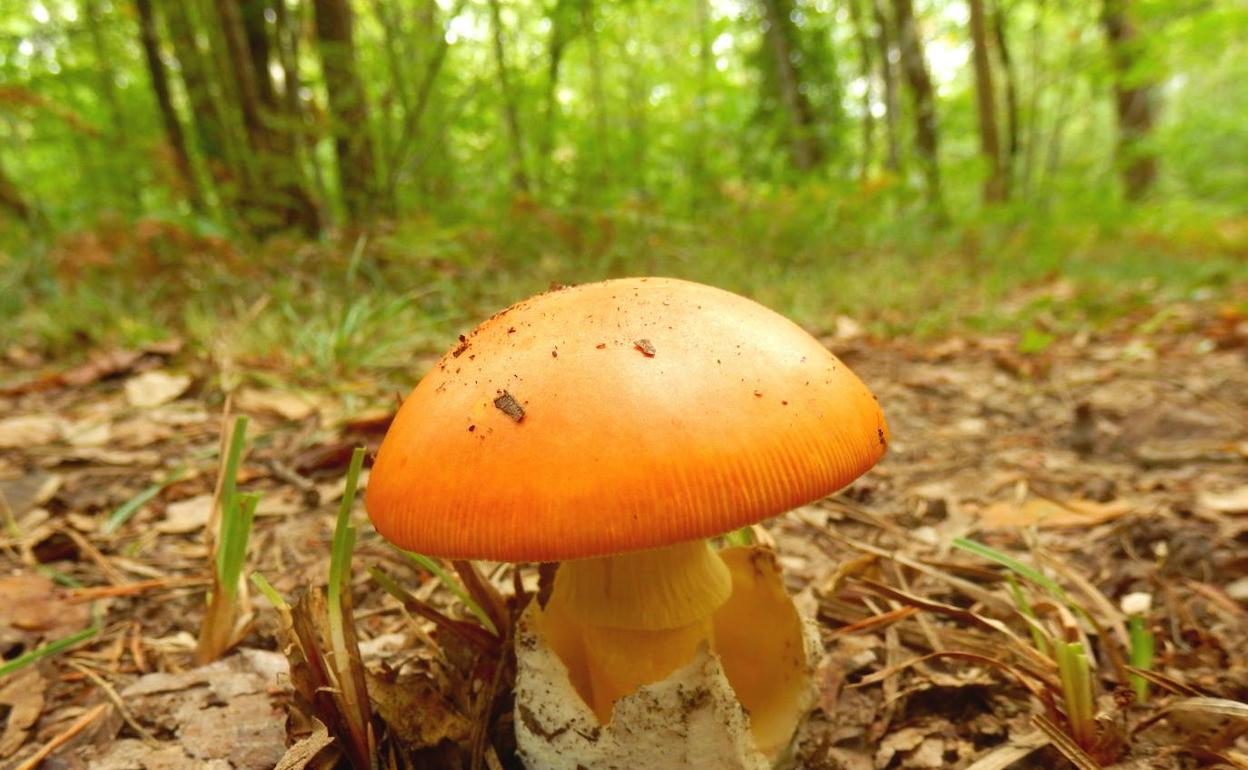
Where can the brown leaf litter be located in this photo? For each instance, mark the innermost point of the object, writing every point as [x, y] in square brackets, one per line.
[1115, 463]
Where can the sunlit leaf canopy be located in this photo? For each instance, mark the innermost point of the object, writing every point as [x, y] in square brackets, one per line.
[670, 104]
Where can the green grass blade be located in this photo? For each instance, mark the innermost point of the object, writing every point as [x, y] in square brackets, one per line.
[51, 648]
[340, 556]
[233, 459]
[235, 533]
[1143, 648]
[992, 554]
[270, 593]
[1024, 607]
[739, 538]
[453, 585]
[131, 506]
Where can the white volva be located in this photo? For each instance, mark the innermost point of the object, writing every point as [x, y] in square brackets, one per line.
[764, 653]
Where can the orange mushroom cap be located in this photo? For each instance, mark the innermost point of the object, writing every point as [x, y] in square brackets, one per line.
[616, 416]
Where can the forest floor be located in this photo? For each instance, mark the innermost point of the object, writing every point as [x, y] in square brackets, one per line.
[1115, 462]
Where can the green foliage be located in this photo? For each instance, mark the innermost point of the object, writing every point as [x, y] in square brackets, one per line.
[658, 145]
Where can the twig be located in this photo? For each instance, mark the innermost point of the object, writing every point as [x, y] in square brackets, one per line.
[111, 573]
[60, 740]
[112, 695]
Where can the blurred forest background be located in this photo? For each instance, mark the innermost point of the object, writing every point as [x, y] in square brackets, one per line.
[334, 186]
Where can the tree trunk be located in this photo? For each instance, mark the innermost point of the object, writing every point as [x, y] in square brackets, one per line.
[117, 132]
[1134, 100]
[424, 93]
[554, 61]
[348, 108]
[160, 86]
[923, 96]
[11, 199]
[599, 96]
[210, 129]
[885, 38]
[986, 105]
[781, 33]
[255, 29]
[511, 114]
[1013, 144]
[868, 91]
[1036, 75]
[285, 202]
[698, 177]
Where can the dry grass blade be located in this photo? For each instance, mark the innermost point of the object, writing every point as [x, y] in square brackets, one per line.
[484, 594]
[80, 724]
[473, 634]
[1019, 675]
[1065, 744]
[1165, 682]
[1025, 651]
[1216, 707]
[972, 590]
[1008, 753]
[876, 622]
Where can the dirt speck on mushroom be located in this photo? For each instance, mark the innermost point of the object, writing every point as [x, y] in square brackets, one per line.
[645, 346]
[509, 406]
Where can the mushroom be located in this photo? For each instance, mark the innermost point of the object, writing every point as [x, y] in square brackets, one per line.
[613, 427]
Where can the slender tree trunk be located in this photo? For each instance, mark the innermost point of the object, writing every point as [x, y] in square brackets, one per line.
[210, 129]
[914, 63]
[706, 65]
[1013, 144]
[272, 165]
[804, 145]
[398, 102]
[255, 29]
[554, 61]
[511, 114]
[638, 106]
[1134, 100]
[117, 131]
[986, 106]
[424, 93]
[347, 106]
[160, 86]
[11, 199]
[1035, 69]
[885, 45]
[868, 91]
[599, 96]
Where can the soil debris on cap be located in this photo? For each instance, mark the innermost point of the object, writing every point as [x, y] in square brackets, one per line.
[459, 349]
[645, 346]
[509, 406]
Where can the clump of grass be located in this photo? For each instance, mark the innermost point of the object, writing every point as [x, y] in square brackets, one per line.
[318, 638]
[229, 611]
[1065, 650]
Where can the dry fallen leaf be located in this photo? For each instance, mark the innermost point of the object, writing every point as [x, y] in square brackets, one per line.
[33, 607]
[1234, 501]
[21, 700]
[1051, 514]
[186, 516]
[29, 430]
[300, 754]
[87, 433]
[155, 388]
[283, 403]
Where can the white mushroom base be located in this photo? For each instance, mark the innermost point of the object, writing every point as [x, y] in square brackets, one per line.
[691, 719]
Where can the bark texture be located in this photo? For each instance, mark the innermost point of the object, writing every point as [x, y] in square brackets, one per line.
[348, 107]
[926, 140]
[1134, 100]
[781, 33]
[160, 87]
[986, 105]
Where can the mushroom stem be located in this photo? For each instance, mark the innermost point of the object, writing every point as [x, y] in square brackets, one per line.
[640, 615]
